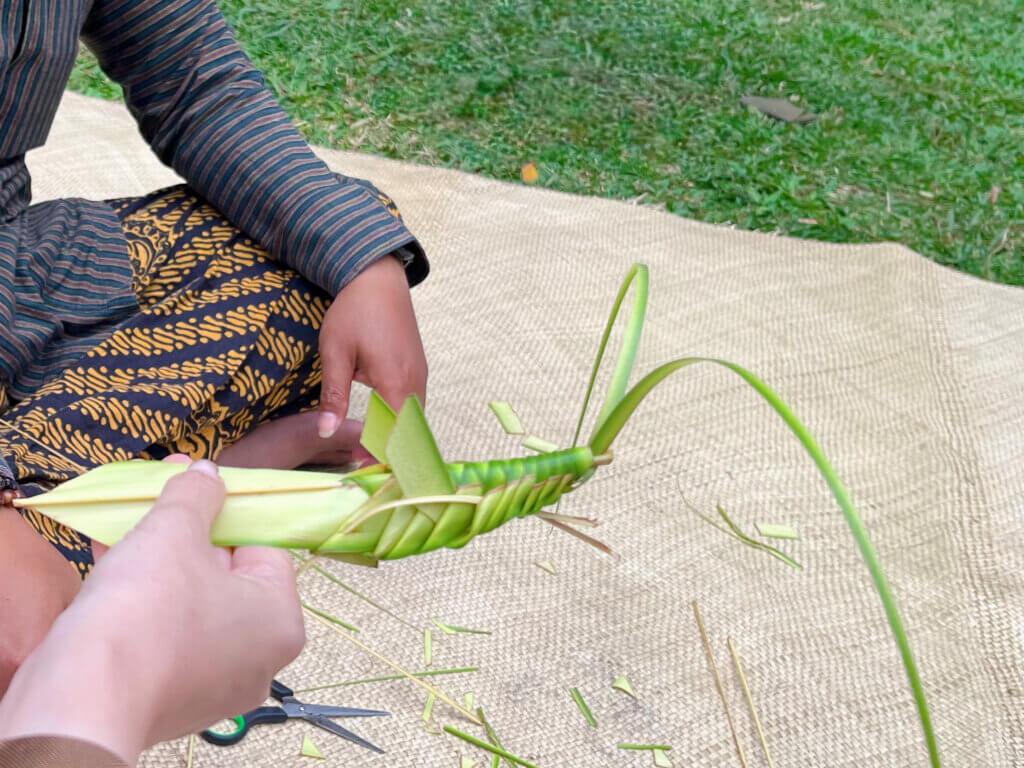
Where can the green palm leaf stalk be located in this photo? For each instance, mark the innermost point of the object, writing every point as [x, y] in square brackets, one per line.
[413, 502]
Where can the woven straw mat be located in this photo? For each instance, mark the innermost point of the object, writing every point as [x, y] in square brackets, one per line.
[910, 375]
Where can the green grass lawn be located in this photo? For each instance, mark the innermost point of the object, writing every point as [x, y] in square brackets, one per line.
[921, 105]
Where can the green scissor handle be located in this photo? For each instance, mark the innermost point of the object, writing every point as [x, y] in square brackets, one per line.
[243, 723]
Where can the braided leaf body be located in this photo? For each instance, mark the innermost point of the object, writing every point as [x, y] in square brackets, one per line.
[323, 513]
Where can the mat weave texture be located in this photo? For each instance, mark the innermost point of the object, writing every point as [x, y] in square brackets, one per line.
[910, 375]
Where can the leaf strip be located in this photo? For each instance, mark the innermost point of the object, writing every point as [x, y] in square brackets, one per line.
[331, 577]
[328, 616]
[750, 701]
[624, 356]
[775, 531]
[718, 684]
[432, 689]
[385, 678]
[739, 534]
[492, 736]
[610, 427]
[489, 747]
[444, 627]
[508, 417]
[584, 522]
[581, 536]
[465, 630]
[578, 698]
[662, 747]
[539, 444]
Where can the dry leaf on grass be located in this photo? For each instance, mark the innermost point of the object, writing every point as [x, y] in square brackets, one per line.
[780, 109]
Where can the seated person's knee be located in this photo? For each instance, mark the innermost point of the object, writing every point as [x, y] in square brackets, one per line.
[36, 585]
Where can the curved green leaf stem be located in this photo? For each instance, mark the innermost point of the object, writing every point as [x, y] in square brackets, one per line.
[609, 429]
[627, 356]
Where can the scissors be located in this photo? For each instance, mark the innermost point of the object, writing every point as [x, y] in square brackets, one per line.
[293, 708]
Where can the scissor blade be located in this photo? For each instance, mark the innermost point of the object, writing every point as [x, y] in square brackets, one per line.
[337, 730]
[316, 709]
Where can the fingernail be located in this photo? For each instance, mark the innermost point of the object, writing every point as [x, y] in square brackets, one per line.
[204, 467]
[327, 424]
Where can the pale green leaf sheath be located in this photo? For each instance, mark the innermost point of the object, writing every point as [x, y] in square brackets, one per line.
[413, 502]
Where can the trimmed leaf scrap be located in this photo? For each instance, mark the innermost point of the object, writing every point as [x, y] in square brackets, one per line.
[385, 678]
[450, 629]
[718, 684]
[395, 666]
[662, 747]
[750, 701]
[580, 535]
[508, 417]
[737, 533]
[539, 444]
[490, 735]
[467, 631]
[489, 747]
[578, 698]
[444, 627]
[775, 531]
[622, 684]
[584, 522]
[309, 749]
[351, 590]
[328, 616]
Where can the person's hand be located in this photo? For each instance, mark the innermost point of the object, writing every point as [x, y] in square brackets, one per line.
[292, 441]
[168, 635]
[370, 335]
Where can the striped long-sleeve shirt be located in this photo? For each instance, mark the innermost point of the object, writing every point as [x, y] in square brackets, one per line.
[205, 111]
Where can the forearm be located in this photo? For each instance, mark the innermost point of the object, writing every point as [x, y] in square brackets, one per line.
[73, 686]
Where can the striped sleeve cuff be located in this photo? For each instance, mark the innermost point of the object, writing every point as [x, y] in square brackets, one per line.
[336, 231]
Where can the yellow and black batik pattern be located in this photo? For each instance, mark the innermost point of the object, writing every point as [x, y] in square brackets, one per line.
[224, 339]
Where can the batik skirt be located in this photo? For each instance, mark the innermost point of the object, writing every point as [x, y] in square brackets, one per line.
[224, 339]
